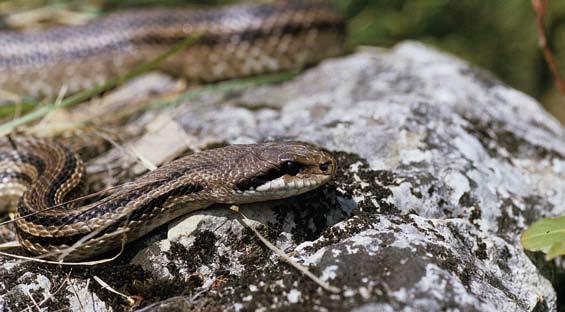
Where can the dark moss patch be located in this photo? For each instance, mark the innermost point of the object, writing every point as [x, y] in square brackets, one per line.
[481, 251]
[255, 258]
[125, 277]
[467, 200]
[493, 136]
[278, 279]
[495, 282]
[201, 252]
[309, 213]
[19, 300]
[475, 215]
[508, 227]
[502, 258]
[377, 180]
[535, 207]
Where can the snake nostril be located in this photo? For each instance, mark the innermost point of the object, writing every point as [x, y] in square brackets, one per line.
[324, 166]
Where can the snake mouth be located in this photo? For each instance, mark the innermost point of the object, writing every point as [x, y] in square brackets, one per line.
[284, 186]
[288, 183]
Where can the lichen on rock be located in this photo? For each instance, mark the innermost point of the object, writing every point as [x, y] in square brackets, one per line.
[441, 167]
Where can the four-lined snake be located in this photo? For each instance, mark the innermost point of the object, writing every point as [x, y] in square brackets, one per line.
[233, 41]
[50, 176]
[236, 41]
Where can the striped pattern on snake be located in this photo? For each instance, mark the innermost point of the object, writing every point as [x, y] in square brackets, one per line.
[235, 41]
[44, 177]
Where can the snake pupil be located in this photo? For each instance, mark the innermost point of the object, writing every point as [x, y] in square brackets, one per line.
[324, 166]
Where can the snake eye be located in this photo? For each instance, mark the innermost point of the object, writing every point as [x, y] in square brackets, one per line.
[291, 167]
[324, 166]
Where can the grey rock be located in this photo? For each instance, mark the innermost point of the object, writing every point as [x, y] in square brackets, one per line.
[441, 167]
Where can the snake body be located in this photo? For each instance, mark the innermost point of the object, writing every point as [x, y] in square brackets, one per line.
[44, 177]
[47, 176]
[234, 41]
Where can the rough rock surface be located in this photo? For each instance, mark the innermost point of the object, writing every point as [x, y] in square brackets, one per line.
[441, 168]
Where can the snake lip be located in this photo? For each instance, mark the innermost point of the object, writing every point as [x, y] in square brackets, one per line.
[284, 186]
[291, 183]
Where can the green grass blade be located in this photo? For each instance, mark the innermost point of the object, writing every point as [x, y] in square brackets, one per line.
[226, 86]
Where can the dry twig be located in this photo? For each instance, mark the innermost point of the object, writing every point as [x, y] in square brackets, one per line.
[132, 300]
[540, 8]
[284, 256]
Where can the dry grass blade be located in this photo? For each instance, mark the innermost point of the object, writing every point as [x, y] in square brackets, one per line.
[142, 159]
[132, 300]
[75, 291]
[84, 263]
[284, 256]
[9, 245]
[130, 151]
[33, 301]
[67, 251]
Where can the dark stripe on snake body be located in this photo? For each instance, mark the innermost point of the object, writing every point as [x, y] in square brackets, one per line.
[138, 215]
[61, 178]
[58, 218]
[50, 241]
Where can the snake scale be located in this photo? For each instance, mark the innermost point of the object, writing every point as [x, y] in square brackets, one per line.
[44, 177]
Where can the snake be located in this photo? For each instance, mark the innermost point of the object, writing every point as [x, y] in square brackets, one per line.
[232, 41]
[47, 179]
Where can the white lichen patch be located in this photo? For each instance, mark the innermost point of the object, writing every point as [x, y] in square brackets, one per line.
[403, 198]
[329, 273]
[293, 296]
[81, 299]
[32, 284]
[458, 183]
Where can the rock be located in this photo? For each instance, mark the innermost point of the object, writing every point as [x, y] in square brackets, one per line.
[441, 167]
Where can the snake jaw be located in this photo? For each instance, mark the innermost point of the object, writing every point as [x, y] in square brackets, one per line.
[290, 184]
[282, 187]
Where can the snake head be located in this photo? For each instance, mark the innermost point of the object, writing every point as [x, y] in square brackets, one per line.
[282, 169]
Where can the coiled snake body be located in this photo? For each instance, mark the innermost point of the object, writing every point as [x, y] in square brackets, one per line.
[233, 42]
[49, 175]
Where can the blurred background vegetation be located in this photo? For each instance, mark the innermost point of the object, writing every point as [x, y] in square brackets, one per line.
[497, 35]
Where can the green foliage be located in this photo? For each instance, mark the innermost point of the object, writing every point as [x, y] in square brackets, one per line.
[547, 235]
[497, 35]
